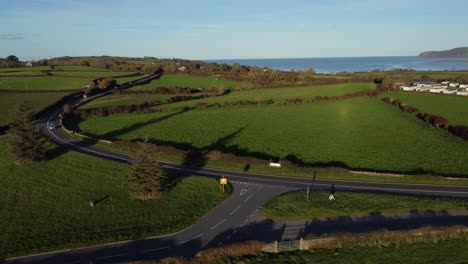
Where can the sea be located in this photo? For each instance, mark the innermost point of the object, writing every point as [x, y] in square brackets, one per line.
[356, 64]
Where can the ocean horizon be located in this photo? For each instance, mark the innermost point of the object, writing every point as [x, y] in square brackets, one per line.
[355, 64]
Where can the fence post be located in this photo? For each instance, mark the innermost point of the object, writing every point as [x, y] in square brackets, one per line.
[276, 247]
[301, 244]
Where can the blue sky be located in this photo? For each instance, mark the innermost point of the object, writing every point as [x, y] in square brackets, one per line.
[208, 29]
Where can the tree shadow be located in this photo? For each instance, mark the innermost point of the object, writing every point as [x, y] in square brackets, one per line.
[114, 134]
[55, 152]
[198, 158]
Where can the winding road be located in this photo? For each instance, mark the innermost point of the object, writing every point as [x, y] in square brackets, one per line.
[237, 218]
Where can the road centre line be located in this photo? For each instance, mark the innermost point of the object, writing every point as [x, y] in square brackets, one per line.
[249, 197]
[200, 235]
[233, 211]
[112, 256]
[222, 221]
[155, 249]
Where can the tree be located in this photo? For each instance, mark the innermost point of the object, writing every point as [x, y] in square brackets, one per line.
[12, 58]
[146, 179]
[26, 142]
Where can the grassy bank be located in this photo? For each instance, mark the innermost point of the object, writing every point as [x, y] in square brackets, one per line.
[45, 206]
[294, 206]
[446, 251]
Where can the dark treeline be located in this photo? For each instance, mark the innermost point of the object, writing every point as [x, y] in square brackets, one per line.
[435, 120]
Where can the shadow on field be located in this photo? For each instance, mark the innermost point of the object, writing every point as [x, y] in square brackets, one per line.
[112, 135]
[198, 158]
[55, 152]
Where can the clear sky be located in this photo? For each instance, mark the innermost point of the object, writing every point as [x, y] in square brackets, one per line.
[209, 29]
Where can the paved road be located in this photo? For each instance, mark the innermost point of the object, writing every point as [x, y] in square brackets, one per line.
[235, 219]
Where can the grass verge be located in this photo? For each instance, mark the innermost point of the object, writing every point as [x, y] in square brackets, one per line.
[294, 206]
[45, 206]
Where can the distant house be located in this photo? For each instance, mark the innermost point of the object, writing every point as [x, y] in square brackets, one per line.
[462, 93]
[454, 85]
[29, 64]
[445, 82]
[181, 68]
[463, 86]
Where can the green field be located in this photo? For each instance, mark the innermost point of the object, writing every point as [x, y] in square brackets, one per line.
[168, 80]
[277, 94]
[120, 99]
[38, 101]
[454, 108]
[294, 206]
[45, 206]
[43, 83]
[362, 133]
[441, 252]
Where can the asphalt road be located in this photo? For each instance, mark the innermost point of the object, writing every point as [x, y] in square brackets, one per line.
[235, 219]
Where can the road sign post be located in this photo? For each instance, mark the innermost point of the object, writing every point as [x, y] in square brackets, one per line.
[223, 181]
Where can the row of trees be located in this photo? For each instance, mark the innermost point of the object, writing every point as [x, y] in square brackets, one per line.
[435, 120]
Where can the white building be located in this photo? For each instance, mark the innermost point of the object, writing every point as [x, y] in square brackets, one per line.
[454, 85]
[463, 86]
[450, 91]
[462, 93]
[408, 88]
[445, 82]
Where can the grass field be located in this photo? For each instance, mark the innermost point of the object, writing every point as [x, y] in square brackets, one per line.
[277, 94]
[43, 83]
[454, 108]
[45, 206]
[294, 206]
[360, 133]
[442, 252]
[186, 81]
[38, 101]
[120, 99]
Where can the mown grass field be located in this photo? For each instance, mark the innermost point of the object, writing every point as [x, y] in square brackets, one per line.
[361, 133]
[454, 108]
[442, 252]
[37, 101]
[45, 206]
[187, 81]
[294, 206]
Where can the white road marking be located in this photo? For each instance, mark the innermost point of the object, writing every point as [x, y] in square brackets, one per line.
[243, 191]
[220, 243]
[185, 241]
[155, 249]
[222, 221]
[233, 211]
[113, 256]
[200, 235]
[249, 197]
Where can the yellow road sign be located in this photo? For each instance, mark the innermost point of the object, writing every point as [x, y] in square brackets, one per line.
[223, 181]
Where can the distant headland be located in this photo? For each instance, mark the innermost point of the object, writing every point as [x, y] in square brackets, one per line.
[461, 52]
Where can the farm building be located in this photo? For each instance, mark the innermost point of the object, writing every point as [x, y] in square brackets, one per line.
[29, 64]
